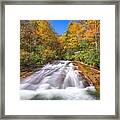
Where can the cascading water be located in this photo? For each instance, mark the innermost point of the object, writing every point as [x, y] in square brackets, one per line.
[56, 81]
[72, 79]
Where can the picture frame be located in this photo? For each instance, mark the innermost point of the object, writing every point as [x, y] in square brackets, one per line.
[50, 2]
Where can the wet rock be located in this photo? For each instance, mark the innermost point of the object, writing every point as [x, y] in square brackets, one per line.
[85, 83]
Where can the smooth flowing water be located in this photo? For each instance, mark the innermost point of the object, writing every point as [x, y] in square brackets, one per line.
[56, 81]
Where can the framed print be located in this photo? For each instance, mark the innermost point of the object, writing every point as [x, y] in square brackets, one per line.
[59, 59]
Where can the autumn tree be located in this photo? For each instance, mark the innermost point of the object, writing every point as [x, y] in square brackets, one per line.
[39, 43]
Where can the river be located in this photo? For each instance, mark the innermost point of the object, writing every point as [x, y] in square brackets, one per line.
[57, 81]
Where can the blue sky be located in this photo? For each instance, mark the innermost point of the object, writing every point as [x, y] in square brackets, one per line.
[60, 26]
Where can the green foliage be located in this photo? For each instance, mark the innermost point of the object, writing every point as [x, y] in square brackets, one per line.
[85, 53]
[83, 45]
[90, 57]
[96, 94]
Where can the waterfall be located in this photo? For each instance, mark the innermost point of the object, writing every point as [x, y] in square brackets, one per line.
[59, 80]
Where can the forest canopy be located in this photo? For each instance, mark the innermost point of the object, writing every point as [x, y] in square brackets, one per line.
[40, 43]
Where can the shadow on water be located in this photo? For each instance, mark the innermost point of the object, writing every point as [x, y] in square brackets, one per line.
[38, 97]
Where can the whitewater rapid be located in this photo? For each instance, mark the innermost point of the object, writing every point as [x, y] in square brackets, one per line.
[56, 81]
